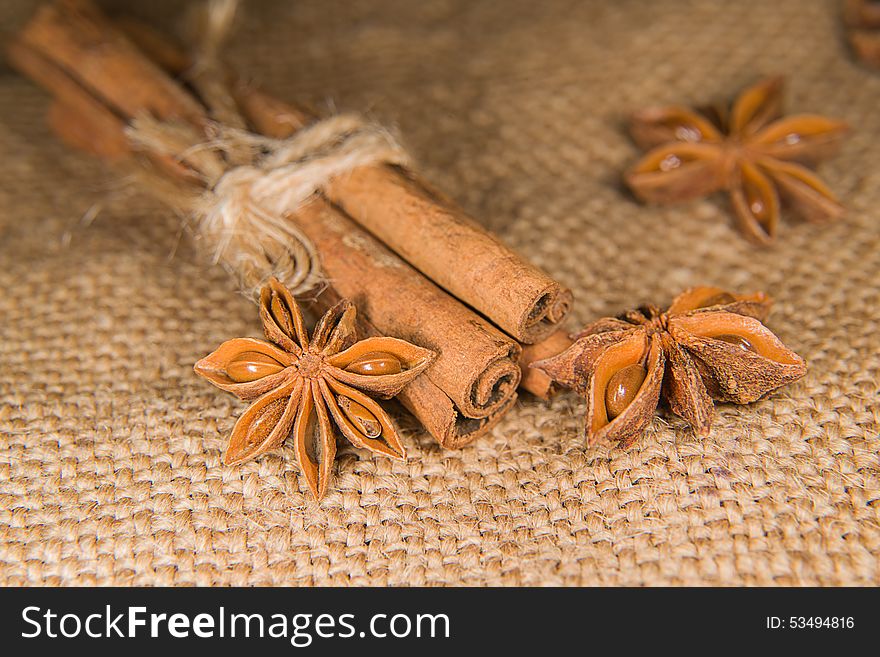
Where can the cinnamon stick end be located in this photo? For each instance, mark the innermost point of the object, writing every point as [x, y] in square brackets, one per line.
[536, 381]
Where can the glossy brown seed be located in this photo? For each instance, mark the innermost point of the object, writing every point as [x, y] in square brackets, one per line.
[755, 197]
[363, 420]
[622, 389]
[736, 340]
[720, 299]
[375, 363]
[252, 365]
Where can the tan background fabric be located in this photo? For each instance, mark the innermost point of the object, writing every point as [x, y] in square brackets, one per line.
[110, 447]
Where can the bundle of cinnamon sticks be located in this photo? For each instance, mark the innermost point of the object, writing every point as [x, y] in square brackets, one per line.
[416, 265]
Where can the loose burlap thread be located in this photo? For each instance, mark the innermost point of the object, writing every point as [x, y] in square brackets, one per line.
[110, 449]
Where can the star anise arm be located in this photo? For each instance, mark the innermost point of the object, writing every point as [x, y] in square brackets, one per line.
[361, 419]
[862, 17]
[739, 358]
[802, 189]
[245, 367]
[757, 106]
[313, 439]
[677, 171]
[755, 203]
[264, 425]
[804, 138]
[655, 126]
[702, 298]
[336, 330]
[282, 319]
[620, 375]
[603, 325]
[683, 388]
[620, 405]
[866, 43]
[572, 368]
[380, 366]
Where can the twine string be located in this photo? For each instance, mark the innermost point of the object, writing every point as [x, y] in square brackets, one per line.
[244, 214]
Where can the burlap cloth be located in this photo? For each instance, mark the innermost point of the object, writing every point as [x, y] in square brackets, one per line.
[110, 447]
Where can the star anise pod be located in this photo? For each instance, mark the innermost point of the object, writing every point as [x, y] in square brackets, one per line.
[302, 386]
[709, 344]
[862, 18]
[751, 152]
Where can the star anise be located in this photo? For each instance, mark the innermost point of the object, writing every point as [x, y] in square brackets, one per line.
[751, 152]
[709, 344]
[862, 18]
[302, 386]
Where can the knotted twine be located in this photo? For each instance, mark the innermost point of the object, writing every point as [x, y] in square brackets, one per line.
[253, 183]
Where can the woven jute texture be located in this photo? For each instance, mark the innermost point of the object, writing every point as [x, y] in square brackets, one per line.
[110, 447]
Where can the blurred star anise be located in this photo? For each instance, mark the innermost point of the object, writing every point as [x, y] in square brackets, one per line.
[709, 344]
[301, 386]
[862, 18]
[751, 152]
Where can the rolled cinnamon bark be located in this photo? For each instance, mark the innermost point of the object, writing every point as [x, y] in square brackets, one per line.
[475, 378]
[462, 257]
[476, 366]
[442, 419]
[405, 213]
[88, 115]
[85, 45]
[536, 381]
[428, 403]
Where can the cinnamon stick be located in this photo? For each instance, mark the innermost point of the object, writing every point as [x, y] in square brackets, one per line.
[80, 38]
[440, 417]
[476, 374]
[536, 381]
[427, 402]
[424, 228]
[86, 113]
[452, 249]
[476, 367]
